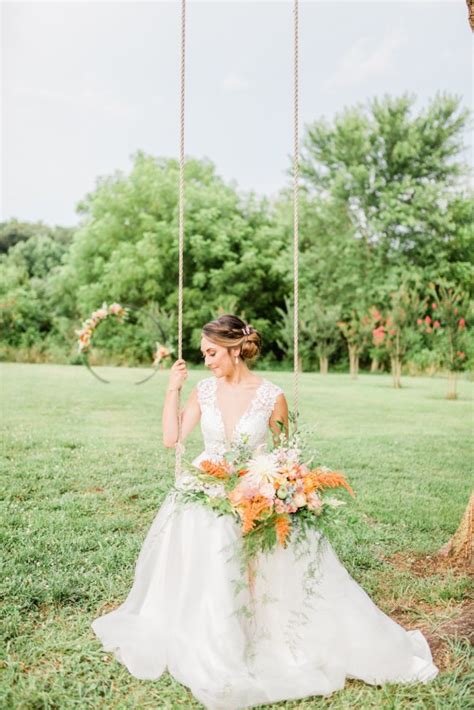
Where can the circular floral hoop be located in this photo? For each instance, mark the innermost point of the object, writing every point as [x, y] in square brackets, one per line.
[162, 352]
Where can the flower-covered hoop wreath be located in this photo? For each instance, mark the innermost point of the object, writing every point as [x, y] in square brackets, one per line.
[121, 313]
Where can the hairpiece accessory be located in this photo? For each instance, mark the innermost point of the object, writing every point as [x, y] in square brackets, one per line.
[246, 330]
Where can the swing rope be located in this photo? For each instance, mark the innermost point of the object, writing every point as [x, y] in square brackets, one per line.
[181, 225]
[296, 169]
[179, 447]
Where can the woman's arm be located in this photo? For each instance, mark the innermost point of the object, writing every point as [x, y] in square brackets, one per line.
[279, 419]
[191, 413]
[190, 416]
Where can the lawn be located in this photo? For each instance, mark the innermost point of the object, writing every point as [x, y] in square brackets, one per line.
[84, 472]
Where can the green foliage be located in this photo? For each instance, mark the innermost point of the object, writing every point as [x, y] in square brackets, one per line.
[126, 249]
[384, 197]
[356, 329]
[318, 331]
[399, 177]
[13, 232]
[28, 313]
[448, 312]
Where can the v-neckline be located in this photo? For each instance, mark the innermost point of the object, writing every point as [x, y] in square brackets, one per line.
[244, 414]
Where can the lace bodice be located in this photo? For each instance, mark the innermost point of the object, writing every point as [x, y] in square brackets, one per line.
[253, 423]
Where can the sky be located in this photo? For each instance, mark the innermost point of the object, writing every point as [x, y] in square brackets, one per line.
[85, 85]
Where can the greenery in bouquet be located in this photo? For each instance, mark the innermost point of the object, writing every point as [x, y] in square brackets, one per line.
[271, 494]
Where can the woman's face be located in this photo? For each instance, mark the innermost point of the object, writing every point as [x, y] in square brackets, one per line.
[217, 358]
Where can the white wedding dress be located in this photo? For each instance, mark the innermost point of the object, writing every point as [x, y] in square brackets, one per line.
[299, 627]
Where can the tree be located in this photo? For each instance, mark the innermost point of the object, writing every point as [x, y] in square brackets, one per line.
[459, 546]
[356, 329]
[26, 313]
[398, 175]
[446, 320]
[125, 250]
[13, 232]
[285, 336]
[318, 332]
[396, 333]
[322, 326]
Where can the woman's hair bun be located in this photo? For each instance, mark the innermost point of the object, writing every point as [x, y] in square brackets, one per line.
[251, 346]
[231, 331]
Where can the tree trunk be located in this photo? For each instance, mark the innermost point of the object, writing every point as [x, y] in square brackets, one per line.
[374, 365]
[396, 371]
[459, 546]
[323, 365]
[353, 361]
[452, 382]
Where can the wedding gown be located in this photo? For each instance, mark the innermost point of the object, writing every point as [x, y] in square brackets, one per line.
[299, 627]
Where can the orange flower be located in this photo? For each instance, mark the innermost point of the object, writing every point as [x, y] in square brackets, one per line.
[282, 525]
[218, 470]
[251, 510]
[325, 479]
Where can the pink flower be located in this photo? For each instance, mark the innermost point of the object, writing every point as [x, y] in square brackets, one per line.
[299, 499]
[392, 331]
[461, 355]
[434, 306]
[462, 323]
[267, 490]
[314, 501]
[378, 335]
[427, 320]
[377, 315]
[419, 321]
[436, 324]
[280, 506]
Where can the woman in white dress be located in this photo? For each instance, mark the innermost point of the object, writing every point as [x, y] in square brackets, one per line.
[301, 627]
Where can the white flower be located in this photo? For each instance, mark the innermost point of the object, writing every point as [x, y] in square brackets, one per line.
[216, 490]
[262, 469]
[299, 499]
[293, 455]
[314, 502]
[334, 502]
[187, 482]
[267, 490]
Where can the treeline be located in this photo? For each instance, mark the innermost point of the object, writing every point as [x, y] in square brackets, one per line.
[385, 233]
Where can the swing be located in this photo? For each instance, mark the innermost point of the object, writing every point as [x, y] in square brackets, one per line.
[308, 642]
[179, 445]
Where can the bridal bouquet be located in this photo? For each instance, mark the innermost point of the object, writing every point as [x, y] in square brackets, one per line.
[270, 494]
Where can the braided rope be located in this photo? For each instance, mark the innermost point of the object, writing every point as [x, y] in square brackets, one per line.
[181, 224]
[296, 215]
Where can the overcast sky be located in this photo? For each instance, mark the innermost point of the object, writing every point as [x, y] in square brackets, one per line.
[87, 84]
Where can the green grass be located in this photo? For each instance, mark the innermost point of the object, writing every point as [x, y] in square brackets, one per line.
[84, 473]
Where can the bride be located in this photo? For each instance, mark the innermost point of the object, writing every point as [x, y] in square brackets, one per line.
[301, 627]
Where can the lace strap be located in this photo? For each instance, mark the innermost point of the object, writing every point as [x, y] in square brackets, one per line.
[266, 398]
[205, 392]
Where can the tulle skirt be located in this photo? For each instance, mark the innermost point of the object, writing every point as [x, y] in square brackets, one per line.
[294, 624]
